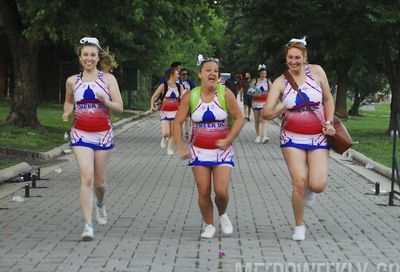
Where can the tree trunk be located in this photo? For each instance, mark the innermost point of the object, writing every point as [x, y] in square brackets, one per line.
[341, 94]
[24, 103]
[354, 111]
[394, 81]
[24, 52]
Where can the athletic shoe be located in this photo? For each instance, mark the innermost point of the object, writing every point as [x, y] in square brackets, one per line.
[87, 234]
[265, 139]
[310, 197]
[170, 152]
[186, 136]
[299, 233]
[258, 139]
[163, 142]
[208, 231]
[226, 225]
[101, 214]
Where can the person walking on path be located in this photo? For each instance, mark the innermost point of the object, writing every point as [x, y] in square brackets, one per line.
[188, 85]
[169, 94]
[244, 87]
[259, 98]
[211, 152]
[308, 118]
[93, 93]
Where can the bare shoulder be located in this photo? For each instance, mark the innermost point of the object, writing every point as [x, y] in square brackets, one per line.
[316, 69]
[71, 80]
[279, 81]
[108, 77]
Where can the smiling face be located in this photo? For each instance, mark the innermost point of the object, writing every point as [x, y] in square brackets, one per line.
[89, 57]
[295, 59]
[209, 75]
[262, 74]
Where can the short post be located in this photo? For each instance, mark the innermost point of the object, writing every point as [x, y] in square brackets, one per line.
[34, 177]
[27, 190]
[377, 188]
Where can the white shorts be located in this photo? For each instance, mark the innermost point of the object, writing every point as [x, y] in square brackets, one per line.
[211, 157]
[99, 140]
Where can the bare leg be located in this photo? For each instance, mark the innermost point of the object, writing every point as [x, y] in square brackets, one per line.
[202, 175]
[100, 172]
[221, 176]
[317, 161]
[85, 159]
[257, 121]
[297, 165]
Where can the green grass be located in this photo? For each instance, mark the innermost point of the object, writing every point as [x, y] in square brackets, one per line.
[369, 130]
[4, 165]
[50, 135]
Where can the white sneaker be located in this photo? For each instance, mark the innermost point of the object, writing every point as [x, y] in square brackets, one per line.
[265, 140]
[163, 142]
[101, 214]
[87, 234]
[258, 139]
[310, 197]
[208, 231]
[226, 224]
[170, 152]
[299, 233]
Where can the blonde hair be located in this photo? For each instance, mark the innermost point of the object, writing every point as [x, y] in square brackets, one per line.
[297, 45]
[106, 63]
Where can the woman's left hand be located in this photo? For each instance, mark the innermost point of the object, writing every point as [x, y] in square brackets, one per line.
[102, 98]
[328, 130]
[223, 143]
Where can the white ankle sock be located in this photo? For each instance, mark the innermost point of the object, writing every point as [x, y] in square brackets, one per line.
[299, 233]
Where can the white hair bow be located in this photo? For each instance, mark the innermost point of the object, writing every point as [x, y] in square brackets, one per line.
[91, 40]
[200, 59]
[261, 66]
[302, 41]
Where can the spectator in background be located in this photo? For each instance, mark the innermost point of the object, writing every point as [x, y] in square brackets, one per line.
[244, 87]
[231, 84]
[188, 85]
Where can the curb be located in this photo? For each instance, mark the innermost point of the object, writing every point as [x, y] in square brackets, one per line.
[377, 167]
[14, 171]
[23, 167]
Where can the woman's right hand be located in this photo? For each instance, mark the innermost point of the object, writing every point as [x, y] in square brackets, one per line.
[65, 117]
[184, 154]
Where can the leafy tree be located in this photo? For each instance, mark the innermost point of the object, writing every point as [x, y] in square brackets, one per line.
[384, 24]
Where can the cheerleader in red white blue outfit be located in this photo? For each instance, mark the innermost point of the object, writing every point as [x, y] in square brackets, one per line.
[211, 152]
[261, 85]
[308, 118]
[93, 93]
[169, 94]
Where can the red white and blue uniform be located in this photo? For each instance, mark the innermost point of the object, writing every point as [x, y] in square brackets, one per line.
[259, 102]
[170, 104]
[302, 128]
[92, 127]
[210, 124]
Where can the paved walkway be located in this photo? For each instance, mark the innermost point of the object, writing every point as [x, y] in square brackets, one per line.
[154, 221]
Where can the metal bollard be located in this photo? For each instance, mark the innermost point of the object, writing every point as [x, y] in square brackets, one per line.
[27, 190]
[377, 188]
[34, 177]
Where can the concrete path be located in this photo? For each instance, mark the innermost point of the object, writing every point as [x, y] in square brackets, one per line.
[154, 220]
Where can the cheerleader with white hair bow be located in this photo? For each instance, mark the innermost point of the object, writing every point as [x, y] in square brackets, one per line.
[302, 94]
[259, 88]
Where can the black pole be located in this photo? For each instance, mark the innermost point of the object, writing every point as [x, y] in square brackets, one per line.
[27, 190]
[395, 169]
[34, 177]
